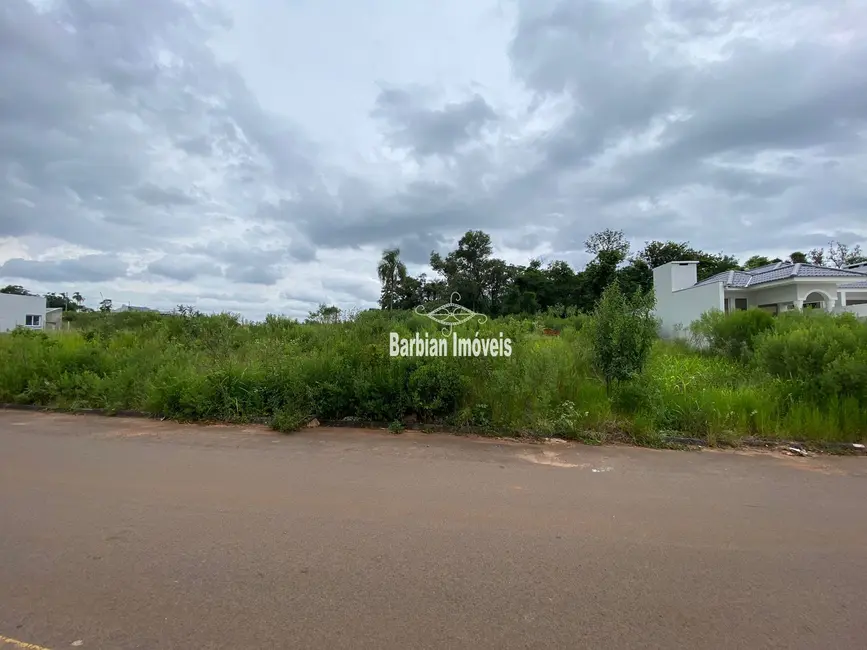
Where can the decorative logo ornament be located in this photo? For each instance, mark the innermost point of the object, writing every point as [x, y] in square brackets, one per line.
[451, 314]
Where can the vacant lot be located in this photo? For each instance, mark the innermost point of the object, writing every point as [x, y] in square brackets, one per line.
[804, 378]
[128, 534]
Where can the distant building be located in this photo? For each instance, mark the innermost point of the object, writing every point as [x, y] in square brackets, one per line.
[144, 309]
[27, 311]
[777, 287]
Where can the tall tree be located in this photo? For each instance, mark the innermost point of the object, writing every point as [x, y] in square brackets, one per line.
[325, 314]
[817, 256]
[709, 264]
[466, 269]
[608, 241]
[610, 249]
[798, 258]
[391, 271]
[77, 297]
[841, 255]
[656, 253]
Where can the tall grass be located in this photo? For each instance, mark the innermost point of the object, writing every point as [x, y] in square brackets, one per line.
[804, 378]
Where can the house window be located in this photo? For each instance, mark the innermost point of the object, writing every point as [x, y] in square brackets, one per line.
[771, 309]
[740, 304]
[33, 320]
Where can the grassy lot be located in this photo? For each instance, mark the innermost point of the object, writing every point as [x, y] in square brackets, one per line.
[803, 376]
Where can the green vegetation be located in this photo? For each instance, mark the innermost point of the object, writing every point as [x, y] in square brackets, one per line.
[603, 376]
[621, 334]
[803, 377]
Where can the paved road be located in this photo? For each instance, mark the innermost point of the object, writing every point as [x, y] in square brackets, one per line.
[127, 534]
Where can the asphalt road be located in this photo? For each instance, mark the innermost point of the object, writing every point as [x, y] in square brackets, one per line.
[124, 534]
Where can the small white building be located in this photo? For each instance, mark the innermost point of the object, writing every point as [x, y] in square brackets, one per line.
[681, 299]
[27, 311]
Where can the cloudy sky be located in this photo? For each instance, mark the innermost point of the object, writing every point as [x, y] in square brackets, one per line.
[257, 155]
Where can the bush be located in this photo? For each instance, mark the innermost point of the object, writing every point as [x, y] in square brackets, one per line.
[622, 333]
[819, 355]
[732, 335]
[806, 376]
[435, 389]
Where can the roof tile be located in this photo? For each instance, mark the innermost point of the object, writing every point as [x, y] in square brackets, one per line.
[777, 271]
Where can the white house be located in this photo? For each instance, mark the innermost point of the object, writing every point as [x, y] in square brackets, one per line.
[682, 299]
[27, 311]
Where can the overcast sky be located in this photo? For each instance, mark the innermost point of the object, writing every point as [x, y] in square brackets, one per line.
[257, 155]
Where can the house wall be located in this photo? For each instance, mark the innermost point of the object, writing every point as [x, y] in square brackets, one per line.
[681, 307]
[785, 296]
[830, 288]
[15, 309]
[772, 296]
[852, 297]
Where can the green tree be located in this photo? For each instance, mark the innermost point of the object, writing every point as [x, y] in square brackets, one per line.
[15, 290]
[622, 332]
[324, 314]
[709, 264]
[656, 253]
[530, 291]
[608, 241]
[759, 260]
[391, 271]
[105, 305]
[610, 249]
[798, 258]
[466, 269]
[77, 297]
[638, 276]
[410, 292]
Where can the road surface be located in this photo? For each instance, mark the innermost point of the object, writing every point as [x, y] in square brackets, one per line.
[124, 533]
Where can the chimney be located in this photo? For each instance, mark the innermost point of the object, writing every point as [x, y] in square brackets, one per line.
[674, 276]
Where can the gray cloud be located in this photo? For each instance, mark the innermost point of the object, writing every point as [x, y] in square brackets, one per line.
[109, 100]
[88, 268]
[153, 195]
[431, 131]
[160, 131]
[183, 268]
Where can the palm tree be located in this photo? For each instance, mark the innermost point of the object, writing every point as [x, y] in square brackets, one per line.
[391, 272]
[77, 297]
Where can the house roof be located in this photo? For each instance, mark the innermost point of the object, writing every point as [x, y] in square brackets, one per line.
[854, 285]
[777, 271]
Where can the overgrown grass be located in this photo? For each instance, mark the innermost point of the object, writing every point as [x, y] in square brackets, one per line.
[804, 378]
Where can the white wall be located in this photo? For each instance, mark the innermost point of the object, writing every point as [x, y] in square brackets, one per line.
[681, 307]
[770, 295]
[785, 295]
[14, 310]
[859, 310]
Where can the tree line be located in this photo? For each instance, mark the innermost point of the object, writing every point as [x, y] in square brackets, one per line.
[74, 302]
[492, 286]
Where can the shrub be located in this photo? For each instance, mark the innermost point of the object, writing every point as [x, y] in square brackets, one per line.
[732, 335]
[621, 333]
[819, 355]
[806, 377]
[288, 419]
[435, 388]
